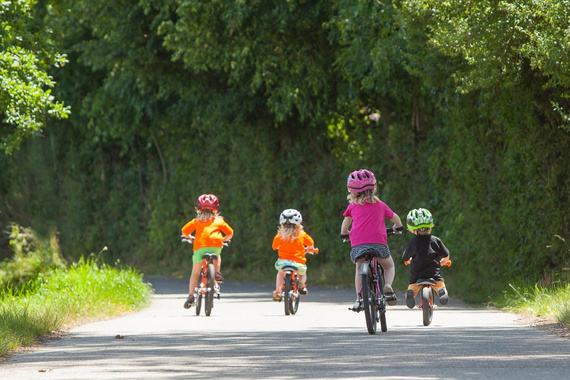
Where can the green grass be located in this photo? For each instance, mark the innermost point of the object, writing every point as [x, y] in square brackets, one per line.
[551, 302]
[62, 297]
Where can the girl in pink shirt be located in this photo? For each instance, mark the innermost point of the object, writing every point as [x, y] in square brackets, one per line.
[366, 213]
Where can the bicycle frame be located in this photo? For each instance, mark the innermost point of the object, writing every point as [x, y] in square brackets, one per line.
[372, 294]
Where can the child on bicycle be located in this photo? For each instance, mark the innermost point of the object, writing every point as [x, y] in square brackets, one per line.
[211, 232]
[366, 213]
[290, 242]
[427, 253]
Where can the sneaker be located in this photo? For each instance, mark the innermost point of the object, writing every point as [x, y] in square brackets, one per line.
[303, 290]
[189, 302]
[390, 296]
[276, 296]
[443, 297]
[410, 302]
[357, 306]
[219, 277]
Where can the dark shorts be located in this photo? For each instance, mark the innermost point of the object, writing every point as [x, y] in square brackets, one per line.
[376, 250]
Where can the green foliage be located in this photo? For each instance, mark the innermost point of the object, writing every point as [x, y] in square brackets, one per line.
[26, 53]
[32, 257]
[457, 106]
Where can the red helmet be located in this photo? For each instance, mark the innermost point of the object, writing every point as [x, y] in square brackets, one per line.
[207, 202]
[361, 180]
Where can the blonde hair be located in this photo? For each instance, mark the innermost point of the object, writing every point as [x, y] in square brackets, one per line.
[206, 215]
[289, 232]
[369, 196]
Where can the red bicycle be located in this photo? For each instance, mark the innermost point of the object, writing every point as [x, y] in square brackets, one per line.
[290, 292]
[207, 288]
[428, 294]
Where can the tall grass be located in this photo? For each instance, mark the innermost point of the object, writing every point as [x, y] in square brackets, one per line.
[552, 302]
[85, 291]
[39, 293]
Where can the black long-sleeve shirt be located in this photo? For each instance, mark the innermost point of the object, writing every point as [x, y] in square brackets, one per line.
[425, 251]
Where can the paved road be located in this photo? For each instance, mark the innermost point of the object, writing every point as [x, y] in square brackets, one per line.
[248, 336]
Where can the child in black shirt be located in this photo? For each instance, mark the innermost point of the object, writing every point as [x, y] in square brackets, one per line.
[427, 253]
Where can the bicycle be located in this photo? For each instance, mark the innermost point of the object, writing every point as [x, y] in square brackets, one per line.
[290, 292]
[428, 294]
[372, 292]
[207, 288]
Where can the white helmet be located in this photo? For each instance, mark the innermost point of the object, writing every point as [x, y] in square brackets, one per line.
[291, 216]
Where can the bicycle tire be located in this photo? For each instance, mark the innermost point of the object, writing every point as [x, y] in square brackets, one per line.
[427, 302]
[369, 302]
[199, 295]
[286, 293]
[381, 301]
[294, 300]
[209, 304]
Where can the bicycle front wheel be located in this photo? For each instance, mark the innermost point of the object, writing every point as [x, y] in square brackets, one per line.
[369, 301]
[210, 289]
[427, 305]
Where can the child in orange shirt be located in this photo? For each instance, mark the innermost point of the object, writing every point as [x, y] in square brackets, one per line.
[211, 232]
[290, 243]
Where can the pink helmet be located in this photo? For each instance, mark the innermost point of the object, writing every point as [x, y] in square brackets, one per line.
[207, 202]
[361, 180]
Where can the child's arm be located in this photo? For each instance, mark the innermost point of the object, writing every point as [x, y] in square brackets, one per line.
[346, 224]
[396, 220]
[228, 237]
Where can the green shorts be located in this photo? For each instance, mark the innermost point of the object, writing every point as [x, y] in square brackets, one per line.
[197, 256]
[301, 268]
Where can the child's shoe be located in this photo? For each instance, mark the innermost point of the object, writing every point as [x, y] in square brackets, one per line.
[276, 296]
[219, 277]
[443, 297]
[189, 302]
[357, 306]
[303, 289]
[410, 302]
[390, 296]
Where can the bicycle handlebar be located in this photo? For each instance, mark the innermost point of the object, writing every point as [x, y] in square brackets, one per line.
[312, 251]
[389, 232]
[447, 264]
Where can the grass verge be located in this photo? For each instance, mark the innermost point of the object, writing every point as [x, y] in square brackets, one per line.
[62, 297]
[547, 302]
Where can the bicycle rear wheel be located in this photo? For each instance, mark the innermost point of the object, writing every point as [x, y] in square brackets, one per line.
[199, 296]
[209, 304]
[287, 293]
[369, 301]
[427, 305]
[294, 299]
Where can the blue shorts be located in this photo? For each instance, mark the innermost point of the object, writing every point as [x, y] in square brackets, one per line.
[301, 268]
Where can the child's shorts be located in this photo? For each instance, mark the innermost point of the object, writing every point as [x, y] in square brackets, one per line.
[301, 268]
[197, 256]
[376, 250]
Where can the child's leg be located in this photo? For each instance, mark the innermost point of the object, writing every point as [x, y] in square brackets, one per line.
[441, 292]
[357, 277]
[194, 277]
[389, 270]
[219, 263]
[279, 280]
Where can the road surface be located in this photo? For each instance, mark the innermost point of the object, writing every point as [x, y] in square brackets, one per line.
[248, 336]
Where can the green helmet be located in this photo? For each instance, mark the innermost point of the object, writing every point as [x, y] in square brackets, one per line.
[419, 218]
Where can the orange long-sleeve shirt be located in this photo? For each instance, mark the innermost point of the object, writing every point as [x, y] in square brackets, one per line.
[208, 234]
[293, 250]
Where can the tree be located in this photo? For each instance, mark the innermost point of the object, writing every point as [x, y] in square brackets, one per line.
[26, 54]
